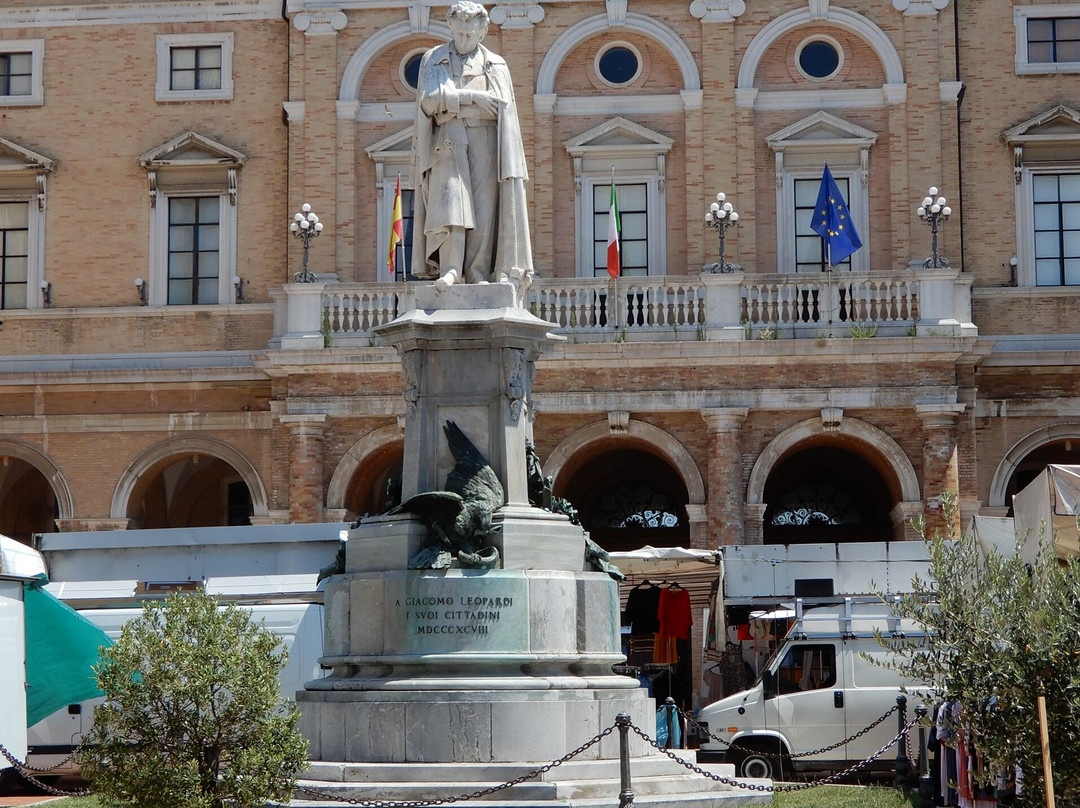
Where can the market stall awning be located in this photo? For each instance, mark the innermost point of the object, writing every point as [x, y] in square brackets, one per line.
[656, 560]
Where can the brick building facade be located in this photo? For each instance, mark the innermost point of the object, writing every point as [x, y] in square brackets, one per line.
[158, 366]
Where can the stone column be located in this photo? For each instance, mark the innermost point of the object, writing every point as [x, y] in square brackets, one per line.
[699, 527]
[940, 465]
[725, 498]
[305, 466]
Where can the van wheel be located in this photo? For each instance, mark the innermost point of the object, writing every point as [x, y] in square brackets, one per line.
[761, 761]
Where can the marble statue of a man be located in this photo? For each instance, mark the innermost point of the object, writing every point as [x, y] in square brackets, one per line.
[470, 213]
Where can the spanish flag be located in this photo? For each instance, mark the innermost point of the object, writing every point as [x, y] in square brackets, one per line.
[395, 231]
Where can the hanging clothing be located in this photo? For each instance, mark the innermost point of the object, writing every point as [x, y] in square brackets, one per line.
[642, 608]
[674, 613]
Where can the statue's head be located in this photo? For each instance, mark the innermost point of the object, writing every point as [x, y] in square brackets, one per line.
[468, 23]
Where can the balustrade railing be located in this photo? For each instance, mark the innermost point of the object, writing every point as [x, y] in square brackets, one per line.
[703, 307]
[831, 300]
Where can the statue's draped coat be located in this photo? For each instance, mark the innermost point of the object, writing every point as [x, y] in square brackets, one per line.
[443, 197]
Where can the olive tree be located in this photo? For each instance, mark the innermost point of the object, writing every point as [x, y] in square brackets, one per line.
[999, 631]
[192, 717]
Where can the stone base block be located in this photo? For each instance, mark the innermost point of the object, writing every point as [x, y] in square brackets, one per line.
[468, 727]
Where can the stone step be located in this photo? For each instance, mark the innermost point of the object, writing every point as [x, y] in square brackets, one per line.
[528, 790]
[736, 798]
[500, 772]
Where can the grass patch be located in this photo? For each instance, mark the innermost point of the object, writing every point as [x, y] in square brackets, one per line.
[817, 797]
[846, 797]
[77, 802]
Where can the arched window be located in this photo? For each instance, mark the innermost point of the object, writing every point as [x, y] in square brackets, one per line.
[816, 503]
[637, 505]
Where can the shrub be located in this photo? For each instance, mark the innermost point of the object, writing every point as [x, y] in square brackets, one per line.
[192, 716]
[998, 630]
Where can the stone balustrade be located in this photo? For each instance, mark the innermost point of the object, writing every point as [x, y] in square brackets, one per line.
[708, 307]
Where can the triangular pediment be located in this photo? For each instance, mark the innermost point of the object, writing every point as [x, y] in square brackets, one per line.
[1057, 125]
[821, 130]
[192, 149]
[14, 157]
[619, 134]
[392, 146]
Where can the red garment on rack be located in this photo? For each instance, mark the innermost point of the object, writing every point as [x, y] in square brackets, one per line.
[674, 613]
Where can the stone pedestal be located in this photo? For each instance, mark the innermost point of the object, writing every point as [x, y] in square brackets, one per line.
[459, 666]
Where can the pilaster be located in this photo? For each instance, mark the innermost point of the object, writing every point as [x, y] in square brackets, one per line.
[940, 464]
[724, 507]
[305, 466]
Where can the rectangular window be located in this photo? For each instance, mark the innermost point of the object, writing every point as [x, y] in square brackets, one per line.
[1056, 213]
[14, 254]
[16, 73]
[634, 236]
[194, 250]
[195, 68]
[1053, 39]
[809, 254]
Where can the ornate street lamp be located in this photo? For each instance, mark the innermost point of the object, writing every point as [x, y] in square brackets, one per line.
[934, 212]
[306, 226]
[721, 216]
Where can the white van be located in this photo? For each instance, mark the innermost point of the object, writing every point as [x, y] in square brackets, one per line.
[817, 690]
[299, 625]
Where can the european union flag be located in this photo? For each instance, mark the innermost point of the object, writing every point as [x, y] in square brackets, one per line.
[832, 221]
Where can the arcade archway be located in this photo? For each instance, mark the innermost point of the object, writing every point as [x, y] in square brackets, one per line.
[28, 504]
[627, 497]
[826, 494]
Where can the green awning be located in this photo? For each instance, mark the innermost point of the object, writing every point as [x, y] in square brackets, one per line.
[62, 648]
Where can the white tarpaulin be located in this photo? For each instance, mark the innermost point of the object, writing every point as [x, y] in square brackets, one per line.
[1047, 508]
[656, 560]
[994, 533]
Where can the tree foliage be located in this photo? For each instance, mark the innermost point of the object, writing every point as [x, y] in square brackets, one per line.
[192, 716]
[998, 630]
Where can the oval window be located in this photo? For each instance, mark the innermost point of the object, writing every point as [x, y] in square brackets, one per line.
[819, 59]
[618, 65]
[410, 70]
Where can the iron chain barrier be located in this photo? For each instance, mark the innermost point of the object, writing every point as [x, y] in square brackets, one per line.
[702, 730]
[27, 772]
[832, 778]
[474, 795]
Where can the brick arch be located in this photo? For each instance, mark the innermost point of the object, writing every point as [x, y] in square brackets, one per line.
[188, 445]
[373, 443]
[592, 26]
[360, 61]
[888, 450]
[841, 18]
[1005, 470]
[49, 470]
[663, 443]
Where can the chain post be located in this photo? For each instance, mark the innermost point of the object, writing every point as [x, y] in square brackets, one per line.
[926, 786]
[903, 765]
[669, 716]
[626, 795]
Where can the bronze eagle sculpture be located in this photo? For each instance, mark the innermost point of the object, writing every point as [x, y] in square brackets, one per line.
[459, 517]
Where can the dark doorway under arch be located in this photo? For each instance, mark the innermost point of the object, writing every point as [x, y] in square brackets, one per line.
[826, 494]
[376, 485]
[27, 501]
[627, 498]
[190, 490]
[1063, 452]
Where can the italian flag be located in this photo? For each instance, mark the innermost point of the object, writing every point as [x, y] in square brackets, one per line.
[613, 233]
